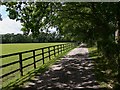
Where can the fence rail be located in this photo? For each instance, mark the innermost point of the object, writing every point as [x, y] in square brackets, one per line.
[55, 49]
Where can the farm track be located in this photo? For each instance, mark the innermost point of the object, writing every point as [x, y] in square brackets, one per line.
[73, 72]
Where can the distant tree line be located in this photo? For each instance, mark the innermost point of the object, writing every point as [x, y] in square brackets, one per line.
[42, 37]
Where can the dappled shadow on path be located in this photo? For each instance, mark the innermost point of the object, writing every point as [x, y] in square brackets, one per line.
[71, 73]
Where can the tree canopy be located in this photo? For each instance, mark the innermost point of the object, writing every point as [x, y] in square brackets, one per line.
[74, 19]
[93, 23]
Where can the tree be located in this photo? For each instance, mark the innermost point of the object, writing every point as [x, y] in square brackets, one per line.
[34, 16]
[88, 22]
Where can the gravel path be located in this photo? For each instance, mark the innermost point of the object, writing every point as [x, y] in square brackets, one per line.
[74, 71]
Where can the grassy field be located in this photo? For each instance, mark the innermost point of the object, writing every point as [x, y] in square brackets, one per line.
[14, 48]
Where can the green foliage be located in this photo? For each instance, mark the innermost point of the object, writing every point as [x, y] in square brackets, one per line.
[93, 23]
[105, 70]
[34, 16]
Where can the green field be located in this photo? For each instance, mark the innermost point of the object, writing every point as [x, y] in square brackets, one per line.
[14, 48]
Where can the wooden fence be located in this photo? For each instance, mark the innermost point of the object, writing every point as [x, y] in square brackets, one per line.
[57, 49]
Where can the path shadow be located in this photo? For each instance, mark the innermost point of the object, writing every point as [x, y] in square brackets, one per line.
[73, 72]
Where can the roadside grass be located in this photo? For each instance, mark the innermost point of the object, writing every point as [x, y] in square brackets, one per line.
[22, 81]
[93, 52]
[13, 48]
[105, 72]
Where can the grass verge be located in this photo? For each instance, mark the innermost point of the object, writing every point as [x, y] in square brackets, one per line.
[104, 72]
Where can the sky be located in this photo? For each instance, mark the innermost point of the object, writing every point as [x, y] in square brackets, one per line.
[8, 25]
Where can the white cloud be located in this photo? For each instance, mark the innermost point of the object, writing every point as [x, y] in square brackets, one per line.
[10, 26]
[52, 29]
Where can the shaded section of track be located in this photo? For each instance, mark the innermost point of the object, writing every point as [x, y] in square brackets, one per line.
[73, 72]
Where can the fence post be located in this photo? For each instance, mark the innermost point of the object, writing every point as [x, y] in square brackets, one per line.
[49, 52]
[66, 47]
[20, 61]
[61, 48]
[34, 59]
[43, 55]
[70, 45]
[58, 48]
[54, 51]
